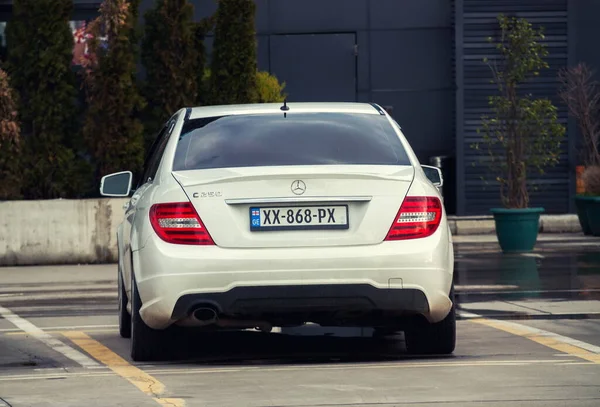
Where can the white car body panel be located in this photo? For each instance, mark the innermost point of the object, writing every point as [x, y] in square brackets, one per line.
[165, 272]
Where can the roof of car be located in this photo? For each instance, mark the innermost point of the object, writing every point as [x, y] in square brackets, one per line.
[258, 108]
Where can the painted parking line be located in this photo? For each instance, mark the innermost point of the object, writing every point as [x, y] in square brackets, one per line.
[140, 379]
[47, 339]
[59, 329]
[570, 346]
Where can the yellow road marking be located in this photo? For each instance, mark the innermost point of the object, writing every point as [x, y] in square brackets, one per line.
[101, 330]
[140, 379]
[549, 341]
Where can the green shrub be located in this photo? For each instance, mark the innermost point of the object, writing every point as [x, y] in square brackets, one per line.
[204, 87]
[269, 90]
[40, 51]
[10, 142]
[233, 78]
[112, 129]
[171, 56]
[202, 28]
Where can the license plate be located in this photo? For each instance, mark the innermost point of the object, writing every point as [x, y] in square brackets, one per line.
[299, 218]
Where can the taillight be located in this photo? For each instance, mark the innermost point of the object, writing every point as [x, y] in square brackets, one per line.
[419, 216]
[179, 223]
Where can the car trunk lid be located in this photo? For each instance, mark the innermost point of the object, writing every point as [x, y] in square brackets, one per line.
[297, 206]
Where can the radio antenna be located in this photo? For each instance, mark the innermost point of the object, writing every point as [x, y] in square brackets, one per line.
[285, 107]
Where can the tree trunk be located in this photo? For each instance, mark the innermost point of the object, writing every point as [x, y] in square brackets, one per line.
[517, 194]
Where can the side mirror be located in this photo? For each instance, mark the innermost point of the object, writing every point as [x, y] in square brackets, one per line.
[117, 184]
[434, 174]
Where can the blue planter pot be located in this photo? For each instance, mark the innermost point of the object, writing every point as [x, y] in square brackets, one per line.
[517, 229]
[581, 203]
[592, 210]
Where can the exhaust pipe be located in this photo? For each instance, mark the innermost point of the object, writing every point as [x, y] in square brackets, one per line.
[205, 316]
[208, 316]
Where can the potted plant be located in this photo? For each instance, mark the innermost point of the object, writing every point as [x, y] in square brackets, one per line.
[591, 200]
[581, 94]
[522, 133]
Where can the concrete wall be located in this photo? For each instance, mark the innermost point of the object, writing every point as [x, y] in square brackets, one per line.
[59, 231]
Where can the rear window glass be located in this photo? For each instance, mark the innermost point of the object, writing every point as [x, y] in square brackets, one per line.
[298, 139]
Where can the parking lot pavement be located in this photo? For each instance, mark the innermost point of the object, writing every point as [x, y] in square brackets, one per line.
[528, 336]
[490, 367]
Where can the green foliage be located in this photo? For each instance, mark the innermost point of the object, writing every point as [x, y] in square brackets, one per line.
[204, 87]
[112, 129]
[10, 142]
[203, 91]
[171, 53]
[523, 133]
[40, 46]
[233, 67]
[269, 89]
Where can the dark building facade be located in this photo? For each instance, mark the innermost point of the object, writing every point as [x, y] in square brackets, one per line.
[422, 60]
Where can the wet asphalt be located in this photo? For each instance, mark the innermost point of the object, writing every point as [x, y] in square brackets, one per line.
[555, 281]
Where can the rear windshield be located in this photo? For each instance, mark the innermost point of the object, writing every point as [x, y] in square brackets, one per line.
[298, 139]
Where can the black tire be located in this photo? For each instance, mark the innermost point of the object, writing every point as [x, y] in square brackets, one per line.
[424, 338]
[147, 344]
[124, 316]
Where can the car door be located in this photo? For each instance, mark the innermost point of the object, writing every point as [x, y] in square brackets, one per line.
[150, 167]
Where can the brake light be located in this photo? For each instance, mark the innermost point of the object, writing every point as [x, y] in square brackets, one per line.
[179, 223]
[418, 217]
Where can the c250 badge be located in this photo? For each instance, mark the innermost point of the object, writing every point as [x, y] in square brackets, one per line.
[207, 194]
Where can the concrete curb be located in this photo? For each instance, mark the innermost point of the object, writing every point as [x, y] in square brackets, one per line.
[484, 225]
[547, 243]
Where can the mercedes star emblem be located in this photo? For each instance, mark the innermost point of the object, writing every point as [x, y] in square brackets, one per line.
[298, 187]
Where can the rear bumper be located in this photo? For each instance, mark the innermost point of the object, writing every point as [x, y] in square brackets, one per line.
[306, 299]
[412, 276]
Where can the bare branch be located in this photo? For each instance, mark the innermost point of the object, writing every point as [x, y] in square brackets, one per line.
[581, 93]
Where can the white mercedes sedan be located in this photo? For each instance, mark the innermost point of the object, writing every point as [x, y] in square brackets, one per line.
[255, 216]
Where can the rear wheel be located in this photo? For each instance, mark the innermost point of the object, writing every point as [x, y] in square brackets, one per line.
[425, 338]
[124, 316]
[147, 344]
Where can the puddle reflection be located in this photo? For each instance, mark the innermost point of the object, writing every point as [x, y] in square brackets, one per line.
[557, 275]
